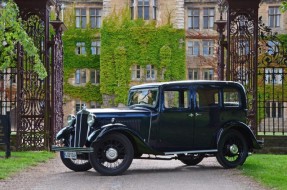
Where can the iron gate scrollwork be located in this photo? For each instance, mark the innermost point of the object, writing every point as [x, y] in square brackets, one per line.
[242, 54]
[39, 102]
[272, 84]
[258, 59]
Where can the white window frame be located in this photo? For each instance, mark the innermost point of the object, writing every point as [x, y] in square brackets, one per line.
[80, 48]
[81, 17]
[96, 18]
[96, 47]
[208, 17]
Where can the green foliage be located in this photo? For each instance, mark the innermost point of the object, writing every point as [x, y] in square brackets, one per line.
[72, 62]
[11, 32]
[126, 42]
[283, 6]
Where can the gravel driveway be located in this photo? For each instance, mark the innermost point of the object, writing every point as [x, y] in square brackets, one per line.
[142, 175]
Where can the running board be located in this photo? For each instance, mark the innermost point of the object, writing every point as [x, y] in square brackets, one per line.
[73, 149]
[191, 152]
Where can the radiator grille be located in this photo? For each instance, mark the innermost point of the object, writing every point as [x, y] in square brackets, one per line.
[81, 130]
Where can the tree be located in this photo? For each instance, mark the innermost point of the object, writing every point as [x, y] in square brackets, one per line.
[12, 32]
[283, 6]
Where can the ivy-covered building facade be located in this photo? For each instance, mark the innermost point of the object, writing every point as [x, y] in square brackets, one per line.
[113, 44]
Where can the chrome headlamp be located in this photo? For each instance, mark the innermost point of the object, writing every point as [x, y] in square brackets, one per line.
[91, 119]
[71, 119]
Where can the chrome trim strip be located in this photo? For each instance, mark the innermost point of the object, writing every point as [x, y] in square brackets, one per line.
[80, 129]
[191, 152]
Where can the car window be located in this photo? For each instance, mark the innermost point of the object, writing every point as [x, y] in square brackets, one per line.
[176, 99]
[231, 98]
[207, 97]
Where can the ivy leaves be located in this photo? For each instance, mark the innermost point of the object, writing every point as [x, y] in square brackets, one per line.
[11, 32]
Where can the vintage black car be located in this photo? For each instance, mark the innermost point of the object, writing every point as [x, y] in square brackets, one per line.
[184, 120]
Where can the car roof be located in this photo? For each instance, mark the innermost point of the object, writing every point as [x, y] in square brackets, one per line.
[184, 82]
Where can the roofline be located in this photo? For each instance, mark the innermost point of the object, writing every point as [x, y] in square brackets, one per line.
[157, 84]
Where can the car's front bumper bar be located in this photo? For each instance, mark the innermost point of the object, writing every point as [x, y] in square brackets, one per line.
[72, 149]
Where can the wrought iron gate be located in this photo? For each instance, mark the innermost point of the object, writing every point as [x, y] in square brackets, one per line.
[272, 84]
[38, 103]
[257, 59]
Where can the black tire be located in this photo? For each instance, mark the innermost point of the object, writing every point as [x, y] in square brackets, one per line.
[232, 149]
[77, 165]
[113, 155]
[192, 161]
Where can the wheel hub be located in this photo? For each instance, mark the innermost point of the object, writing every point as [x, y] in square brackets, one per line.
[233, 149]
[111, 154]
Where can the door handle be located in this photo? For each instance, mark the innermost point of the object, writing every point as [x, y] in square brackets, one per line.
[191, 115]
[196, 114]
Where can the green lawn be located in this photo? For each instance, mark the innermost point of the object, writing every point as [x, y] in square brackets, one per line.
[269, 170]
[21, 160]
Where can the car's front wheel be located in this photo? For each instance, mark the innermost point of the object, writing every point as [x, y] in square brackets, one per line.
[112, 155]
[232, 149]
[78, 165]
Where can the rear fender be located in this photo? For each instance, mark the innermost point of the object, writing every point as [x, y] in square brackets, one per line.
[138, 143]
[244, 130]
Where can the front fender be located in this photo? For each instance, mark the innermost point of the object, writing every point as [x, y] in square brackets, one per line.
[136, 140]
[64, 133]
[244, 129]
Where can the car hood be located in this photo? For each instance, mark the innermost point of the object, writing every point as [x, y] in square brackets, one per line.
[120, 112]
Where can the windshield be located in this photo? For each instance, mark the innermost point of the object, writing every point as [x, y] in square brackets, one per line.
[147, 97]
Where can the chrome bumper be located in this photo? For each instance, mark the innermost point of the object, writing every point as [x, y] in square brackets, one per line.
[72, 149]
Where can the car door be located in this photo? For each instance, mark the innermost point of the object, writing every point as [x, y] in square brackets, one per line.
[207, 116]
[175, 123]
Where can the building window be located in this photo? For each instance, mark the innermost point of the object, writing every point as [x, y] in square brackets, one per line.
[94, 76]
[274, 75]
[81, 18]
[192, 48]
[96, 47]
[208, 47]
[150, 72]
[208, 74]
[143, 9]
[193, 18]
[132, 4]
[193, 74]
[208, 18]
[95, 17]
[274, 17]
[243, 47]
[79, 105]
[273, 47]
[80, 48]
[136, 72]
[154, 7]
[274, 109]
[80, 76]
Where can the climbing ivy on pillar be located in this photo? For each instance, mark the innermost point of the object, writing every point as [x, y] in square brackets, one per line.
[122, 78]
[165, 61]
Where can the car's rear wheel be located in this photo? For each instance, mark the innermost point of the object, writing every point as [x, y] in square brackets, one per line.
[192, 160]
[112, 155]
[232, 149]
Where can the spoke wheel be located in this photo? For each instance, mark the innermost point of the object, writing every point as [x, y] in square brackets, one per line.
[232, 149]
[77, 165]
[113, 155]
[192, 161]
